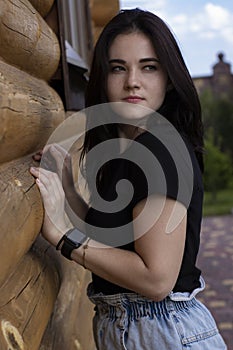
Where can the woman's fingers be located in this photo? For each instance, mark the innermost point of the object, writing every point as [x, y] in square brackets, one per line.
[61, 156]
[45, 176]
[48, 160]
[49, 185]
[34, 171]
[41, 187]
[53, 198]
[38, 171]
[37, 156]
[56, 150]
[56, 159]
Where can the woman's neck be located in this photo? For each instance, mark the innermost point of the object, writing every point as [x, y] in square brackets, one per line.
[127, 133]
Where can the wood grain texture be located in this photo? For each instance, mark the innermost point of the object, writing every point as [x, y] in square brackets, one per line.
[42, 6]
[27, 298]
[71, 324]
[26, 40]
[102, 11]
[21, 213]
[29, 112]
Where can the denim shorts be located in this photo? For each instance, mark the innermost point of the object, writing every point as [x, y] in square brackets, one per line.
[128, 321]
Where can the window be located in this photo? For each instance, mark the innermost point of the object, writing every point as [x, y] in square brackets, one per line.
[77, 30]
[76, 45]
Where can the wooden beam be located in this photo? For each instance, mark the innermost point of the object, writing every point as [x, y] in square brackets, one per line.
[71, 324]
[27, 298]
[21, 213]
[29, 112]
[102, 11]
[21, 216]
[26, 40]
[42, 6]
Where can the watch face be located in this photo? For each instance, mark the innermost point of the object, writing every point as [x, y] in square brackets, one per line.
[77, 236]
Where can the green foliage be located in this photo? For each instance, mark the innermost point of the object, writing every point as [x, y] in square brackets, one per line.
[218, 166]
[218, 125]
[218, 116]
[222, 205]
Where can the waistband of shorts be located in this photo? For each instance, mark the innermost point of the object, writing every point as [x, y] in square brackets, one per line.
[135, 305]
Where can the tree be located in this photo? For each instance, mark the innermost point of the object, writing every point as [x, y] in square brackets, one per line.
[218, 116]
[218, 167]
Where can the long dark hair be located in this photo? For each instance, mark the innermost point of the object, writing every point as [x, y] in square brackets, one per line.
[181, 105]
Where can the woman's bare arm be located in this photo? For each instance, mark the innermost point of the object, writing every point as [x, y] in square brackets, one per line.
[151, 270]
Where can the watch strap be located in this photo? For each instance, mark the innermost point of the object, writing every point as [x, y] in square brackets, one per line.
[69, 245]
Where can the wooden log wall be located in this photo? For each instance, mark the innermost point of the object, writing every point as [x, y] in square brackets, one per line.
[29, 112]
[102, 11]
[42, 6]
[43, 303]
[26, 40]
[26, 306]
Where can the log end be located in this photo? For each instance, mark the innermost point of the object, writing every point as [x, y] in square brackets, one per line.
[12, 336]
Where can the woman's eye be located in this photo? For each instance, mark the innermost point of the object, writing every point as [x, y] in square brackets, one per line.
[117, 69]
[150, 67]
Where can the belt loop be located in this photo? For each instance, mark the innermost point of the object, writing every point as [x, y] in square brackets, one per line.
[170, 305]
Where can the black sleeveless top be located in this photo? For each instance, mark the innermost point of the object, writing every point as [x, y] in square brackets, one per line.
[123, 167]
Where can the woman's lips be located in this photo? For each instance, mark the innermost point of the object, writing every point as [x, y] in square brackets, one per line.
[133, 99]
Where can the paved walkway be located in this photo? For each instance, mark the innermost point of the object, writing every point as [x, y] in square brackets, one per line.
[216, 262]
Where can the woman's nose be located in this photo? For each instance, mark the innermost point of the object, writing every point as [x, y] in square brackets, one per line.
[132, 80]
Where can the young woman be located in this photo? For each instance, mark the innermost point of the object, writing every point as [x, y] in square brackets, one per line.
[144, 289]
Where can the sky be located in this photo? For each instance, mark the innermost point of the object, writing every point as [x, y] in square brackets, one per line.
[202, 29]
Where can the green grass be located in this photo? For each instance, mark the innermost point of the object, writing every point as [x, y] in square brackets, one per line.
[222, 205]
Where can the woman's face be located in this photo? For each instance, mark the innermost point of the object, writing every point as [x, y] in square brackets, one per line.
[135, 73]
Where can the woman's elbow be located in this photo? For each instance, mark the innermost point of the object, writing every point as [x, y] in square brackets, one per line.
[158, 290]
[158, 294]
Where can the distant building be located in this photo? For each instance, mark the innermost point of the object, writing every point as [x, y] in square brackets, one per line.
[220, 82]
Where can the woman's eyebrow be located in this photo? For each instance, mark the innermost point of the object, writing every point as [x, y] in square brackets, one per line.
[117, 60]
[149, 59]
[142, 60]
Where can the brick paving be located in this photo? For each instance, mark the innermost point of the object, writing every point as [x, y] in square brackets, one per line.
[216, 262]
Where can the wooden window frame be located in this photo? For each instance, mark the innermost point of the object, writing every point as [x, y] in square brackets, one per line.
[76, 43]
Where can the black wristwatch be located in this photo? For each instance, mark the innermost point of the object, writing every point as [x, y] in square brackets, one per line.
[72, 239]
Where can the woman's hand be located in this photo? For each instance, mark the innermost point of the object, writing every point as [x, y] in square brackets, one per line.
[54, 224]
[56, 159]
